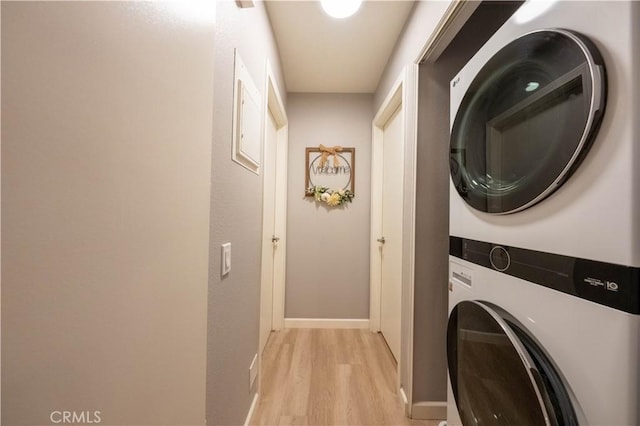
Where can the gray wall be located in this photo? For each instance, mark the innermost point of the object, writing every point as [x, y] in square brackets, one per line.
[106, 120]
[432, 198]
[236, 217]
[421, 24]
[432, 181]
[432, 237]
[328, 248]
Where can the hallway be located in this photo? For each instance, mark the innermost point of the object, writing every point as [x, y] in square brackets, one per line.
[131, 174]
[329, 377]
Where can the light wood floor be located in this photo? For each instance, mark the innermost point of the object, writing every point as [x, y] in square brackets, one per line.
[329, 377]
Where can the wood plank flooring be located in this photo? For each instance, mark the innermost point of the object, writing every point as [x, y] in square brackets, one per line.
[329, 377]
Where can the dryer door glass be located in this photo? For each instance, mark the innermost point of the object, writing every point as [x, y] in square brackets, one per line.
[495, 377]
[526, 120]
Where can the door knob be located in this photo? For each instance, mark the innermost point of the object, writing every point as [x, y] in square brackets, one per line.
[275, 239]
[382, 240]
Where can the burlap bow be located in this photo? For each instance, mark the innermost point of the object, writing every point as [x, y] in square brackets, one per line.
[327, 152]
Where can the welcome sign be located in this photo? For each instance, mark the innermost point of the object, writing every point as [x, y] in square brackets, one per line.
[331, 167]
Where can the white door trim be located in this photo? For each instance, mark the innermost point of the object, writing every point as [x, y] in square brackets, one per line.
[454, 18]
[392, 102]
[451, 22]
[274, 104]
[409, 249]
[403, 93]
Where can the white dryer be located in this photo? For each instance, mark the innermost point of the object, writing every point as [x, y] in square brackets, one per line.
[544, 321]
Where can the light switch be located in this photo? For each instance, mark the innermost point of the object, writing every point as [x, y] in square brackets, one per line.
[226, 258]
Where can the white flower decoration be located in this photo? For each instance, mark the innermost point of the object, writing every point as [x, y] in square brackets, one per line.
[331, 197]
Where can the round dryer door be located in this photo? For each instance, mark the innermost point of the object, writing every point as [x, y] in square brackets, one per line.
[499, 374]
[527, 120]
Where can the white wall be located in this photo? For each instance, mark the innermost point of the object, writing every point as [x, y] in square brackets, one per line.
[423, 20]
[236, 217]
[106, 119]
[328, 248]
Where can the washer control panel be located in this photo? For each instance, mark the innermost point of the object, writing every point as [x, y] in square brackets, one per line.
[460, 274]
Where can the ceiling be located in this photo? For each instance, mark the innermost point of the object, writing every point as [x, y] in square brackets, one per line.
[324, 54]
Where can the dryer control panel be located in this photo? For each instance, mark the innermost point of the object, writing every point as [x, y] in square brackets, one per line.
[615, 286]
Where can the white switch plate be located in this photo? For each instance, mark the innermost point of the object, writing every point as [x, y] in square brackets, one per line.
[226, 258]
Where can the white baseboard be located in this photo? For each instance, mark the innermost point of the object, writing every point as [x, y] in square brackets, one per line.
[325, 323]
[252, 409]
[405, 402]
[429, 410]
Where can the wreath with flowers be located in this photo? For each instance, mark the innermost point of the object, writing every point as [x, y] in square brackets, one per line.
[330, 196]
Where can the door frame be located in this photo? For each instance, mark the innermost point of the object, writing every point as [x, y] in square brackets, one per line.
[391, 103]
[448, 26]
[273, 103]
[403, 93]
[406, 90]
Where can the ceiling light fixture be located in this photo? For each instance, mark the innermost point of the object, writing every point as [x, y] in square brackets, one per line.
[340, 8]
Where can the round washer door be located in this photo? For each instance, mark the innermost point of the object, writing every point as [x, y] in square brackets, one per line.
[499, 374]
[527, 120]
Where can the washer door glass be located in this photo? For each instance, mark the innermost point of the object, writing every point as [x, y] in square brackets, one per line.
[527, 120]
[499, 374]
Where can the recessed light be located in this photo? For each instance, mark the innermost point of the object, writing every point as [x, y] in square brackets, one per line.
[340, 8]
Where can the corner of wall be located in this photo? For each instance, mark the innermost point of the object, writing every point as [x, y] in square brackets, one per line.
[236, 217]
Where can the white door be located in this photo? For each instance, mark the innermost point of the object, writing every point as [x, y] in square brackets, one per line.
[391, 244]
[269, 242]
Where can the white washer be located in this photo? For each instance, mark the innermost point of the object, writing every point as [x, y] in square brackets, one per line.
[545, 221]
[592, 349]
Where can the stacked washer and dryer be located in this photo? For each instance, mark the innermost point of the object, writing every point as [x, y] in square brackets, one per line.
[544, 325]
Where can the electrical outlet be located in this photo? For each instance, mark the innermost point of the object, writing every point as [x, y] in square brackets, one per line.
[226, 258]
